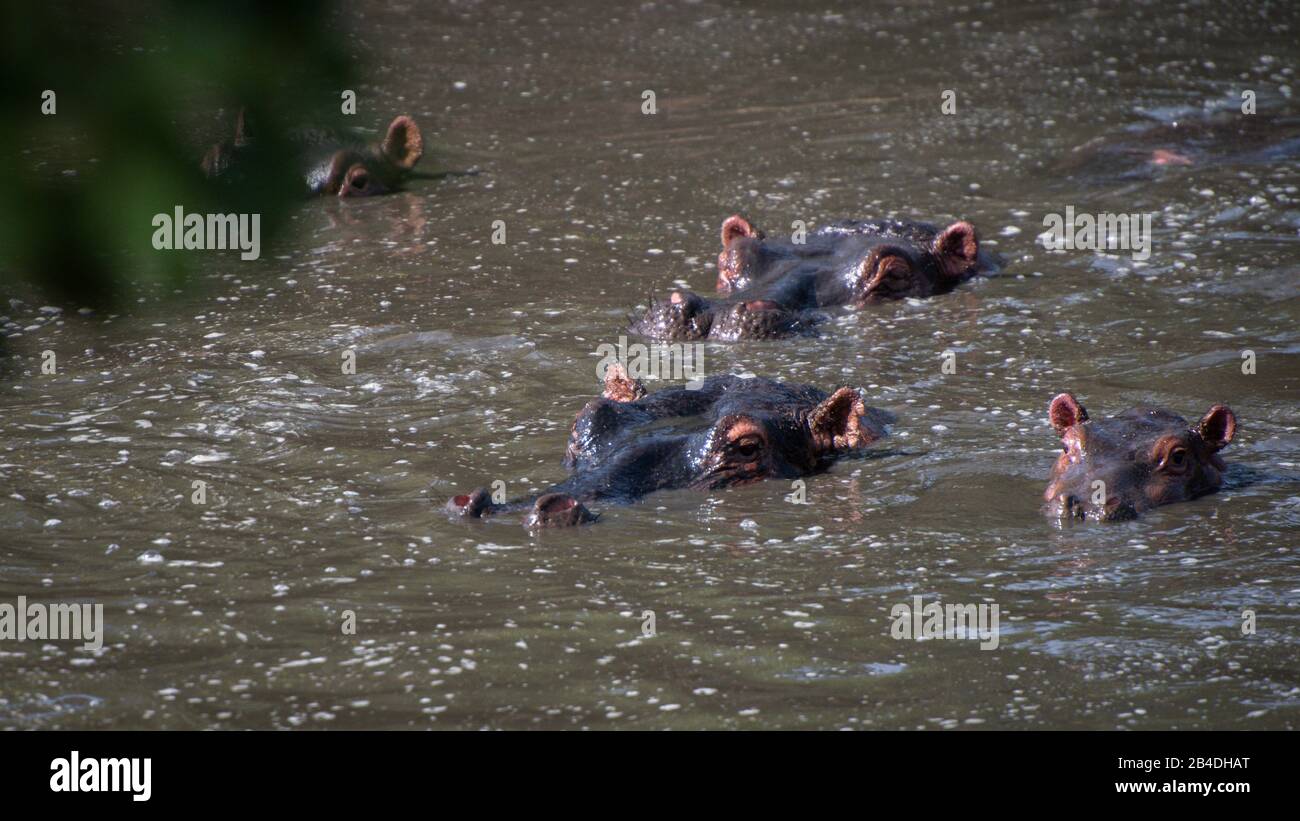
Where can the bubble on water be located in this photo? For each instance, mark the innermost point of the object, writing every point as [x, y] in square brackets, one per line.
[151, 557]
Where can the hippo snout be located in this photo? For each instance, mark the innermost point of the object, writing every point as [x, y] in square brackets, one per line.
[1078, 506]
[472, 505]
[557, 510]
[683, 316]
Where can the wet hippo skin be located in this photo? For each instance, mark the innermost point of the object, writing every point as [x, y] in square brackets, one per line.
[331, 166]
[1143, 458]
[1150, 149]
[772, 289]
[731, 431]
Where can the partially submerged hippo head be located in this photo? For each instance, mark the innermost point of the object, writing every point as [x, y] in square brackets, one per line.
[874, 261]
[362, 171]
[775, 289]
[729, 431]
[330, 166]
[1116, 468]
[1195, 138]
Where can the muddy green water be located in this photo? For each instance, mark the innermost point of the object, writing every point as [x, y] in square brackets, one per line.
[323, 488]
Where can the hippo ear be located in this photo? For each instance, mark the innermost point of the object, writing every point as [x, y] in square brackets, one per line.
[242, 131]
[838, 423]
[619, 387]
[957, 248]
[403, 144]
[1066, 412]
[1218, 426]
[735, 226]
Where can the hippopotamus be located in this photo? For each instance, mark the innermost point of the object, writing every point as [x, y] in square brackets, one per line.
[1115, 468]
[1151, 149]
[773, 289]
[331, 165]
[728, 431]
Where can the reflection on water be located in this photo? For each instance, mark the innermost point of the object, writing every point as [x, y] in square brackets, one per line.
[323, 487]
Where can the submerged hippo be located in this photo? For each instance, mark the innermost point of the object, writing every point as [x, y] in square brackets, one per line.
[776, 289]
[1116, 468]
[330, 165]
[730, 431]
[1152, 148]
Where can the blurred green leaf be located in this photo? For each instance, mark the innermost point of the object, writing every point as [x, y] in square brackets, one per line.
[143, 89]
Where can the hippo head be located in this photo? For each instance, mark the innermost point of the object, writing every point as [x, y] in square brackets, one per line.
[745, 444]
[686, 316]
[728, 431]
[887, 259]
[890, 269]
[733, 431]
[1116, 468]
[378, 169]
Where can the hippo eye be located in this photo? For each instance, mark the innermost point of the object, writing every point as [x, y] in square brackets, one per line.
[1175, 459]
[747, 446]
[893, 269]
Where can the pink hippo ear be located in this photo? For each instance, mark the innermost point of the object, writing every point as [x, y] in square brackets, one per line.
[735, 226]
[619, 387]
[957, 248]
[1065, 412]
[840, 423]
[242, 132]
[1218, 426]
[403, 145]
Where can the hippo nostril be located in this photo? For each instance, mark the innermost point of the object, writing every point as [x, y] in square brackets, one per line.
[473, 505]
[553, 503]
[1074, 508]
[359, 181]
[557, 510]
[1118, 510]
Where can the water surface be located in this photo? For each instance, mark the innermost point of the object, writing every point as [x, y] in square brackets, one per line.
[472, 358]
